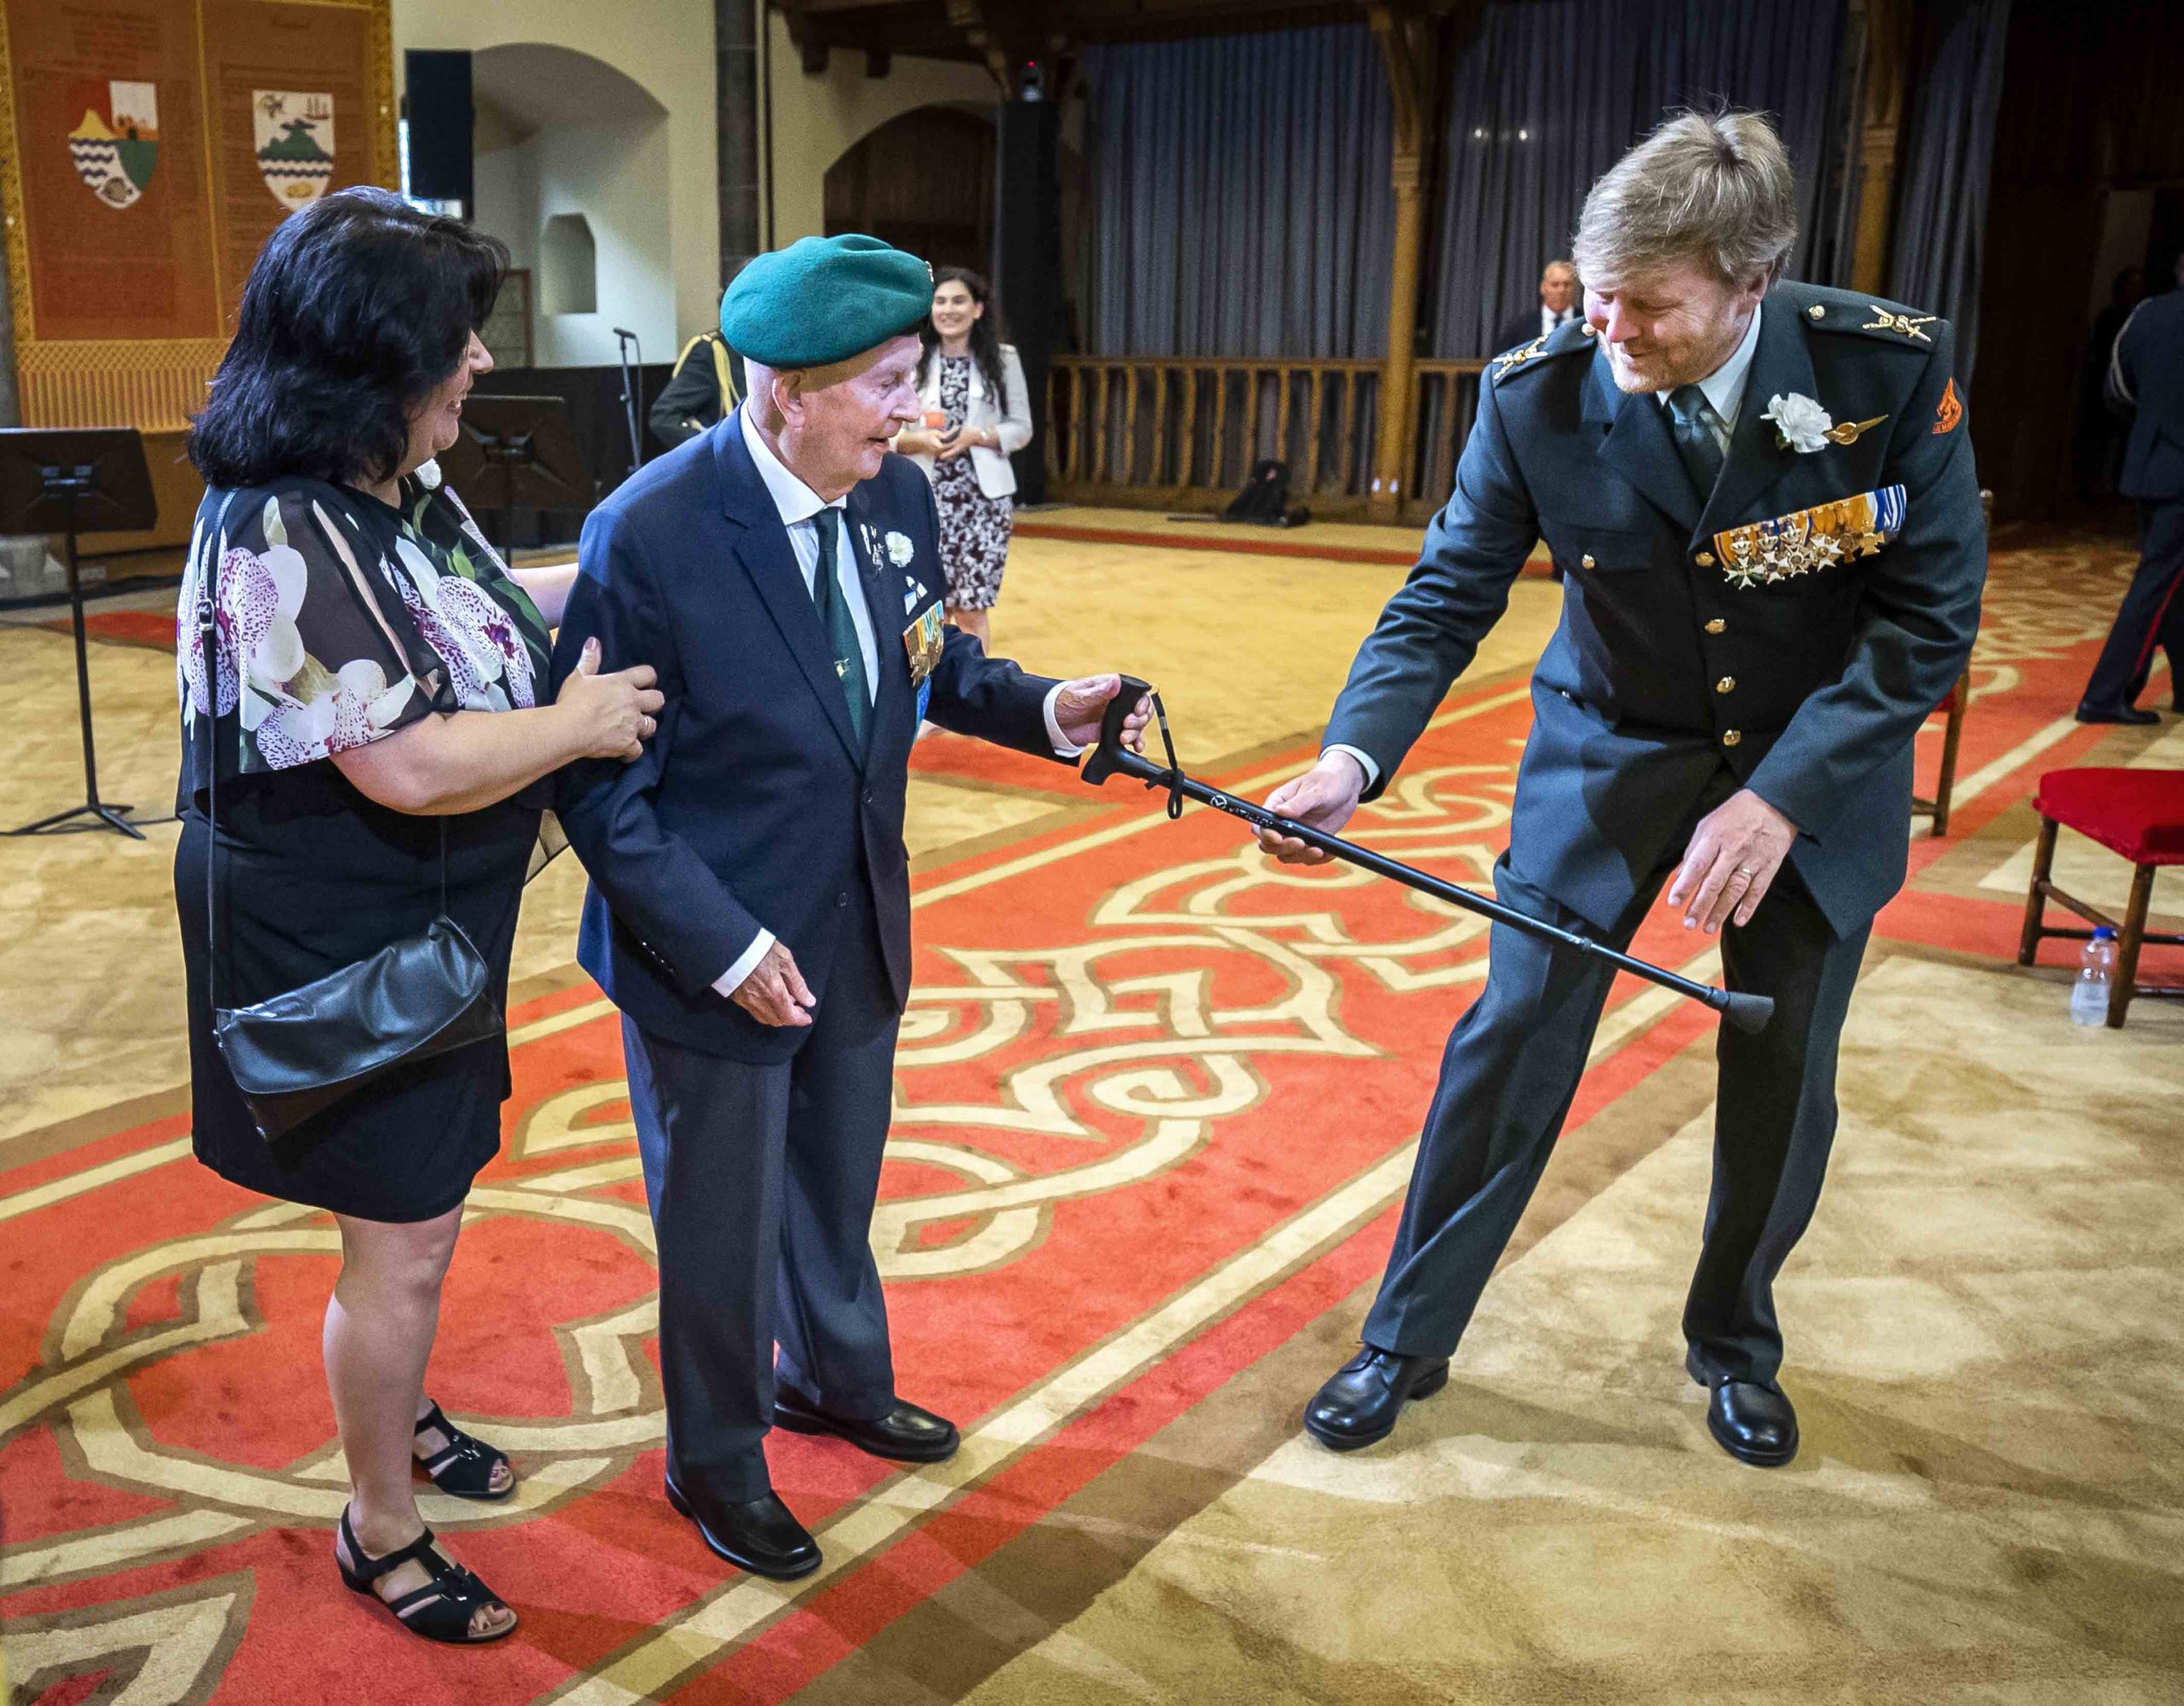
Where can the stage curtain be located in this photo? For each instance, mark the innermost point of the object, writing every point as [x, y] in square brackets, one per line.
[1941, 211]
[1239, 197]
[1547, 94]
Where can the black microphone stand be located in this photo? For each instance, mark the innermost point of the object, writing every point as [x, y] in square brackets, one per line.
[624, 343]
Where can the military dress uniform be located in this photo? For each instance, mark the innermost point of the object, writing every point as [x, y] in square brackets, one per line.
[1786, 631]
[704, 389]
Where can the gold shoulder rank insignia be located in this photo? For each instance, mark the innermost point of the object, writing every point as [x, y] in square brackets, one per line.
[1510, 360]
[1907, 324]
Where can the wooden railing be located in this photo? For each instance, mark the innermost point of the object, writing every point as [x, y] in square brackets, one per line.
[1182, 432]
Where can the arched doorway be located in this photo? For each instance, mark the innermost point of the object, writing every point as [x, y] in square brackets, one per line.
[923, 181]
[572, 165]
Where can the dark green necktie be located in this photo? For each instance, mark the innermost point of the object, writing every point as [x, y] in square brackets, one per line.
[841, 627]
[1695, 442]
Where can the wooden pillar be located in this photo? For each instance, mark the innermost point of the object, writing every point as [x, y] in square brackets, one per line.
[739, 156]
[1407, 52]
[1888, 48]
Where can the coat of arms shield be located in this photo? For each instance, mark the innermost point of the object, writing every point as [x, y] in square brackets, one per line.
[115, 146]
[295, 143]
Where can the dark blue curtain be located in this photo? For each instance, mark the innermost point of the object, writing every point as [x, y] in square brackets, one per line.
[1238, 196]
[1941, 210]
[1547, 94]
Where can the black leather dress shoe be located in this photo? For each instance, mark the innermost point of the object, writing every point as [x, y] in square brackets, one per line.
[1754, 1424]
[2118, 713]
[760, 1535]
[906, 1434]
[1358, 1404]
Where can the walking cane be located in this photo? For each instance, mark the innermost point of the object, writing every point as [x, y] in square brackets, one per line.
[1747, 1013]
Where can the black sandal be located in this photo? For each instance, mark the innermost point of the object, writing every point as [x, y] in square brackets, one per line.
[441, 1610]
[464, 1466]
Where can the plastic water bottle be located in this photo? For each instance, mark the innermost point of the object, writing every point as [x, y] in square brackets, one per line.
[2096, 966]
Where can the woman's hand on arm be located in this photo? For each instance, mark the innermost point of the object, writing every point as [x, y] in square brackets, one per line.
[547, 586]
[471, 759]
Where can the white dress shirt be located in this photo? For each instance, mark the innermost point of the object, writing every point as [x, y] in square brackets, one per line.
[1724, 392]
[1548, 319]
[798, 504]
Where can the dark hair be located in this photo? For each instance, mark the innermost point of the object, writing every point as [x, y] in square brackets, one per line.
[358, 306]
[986, 332]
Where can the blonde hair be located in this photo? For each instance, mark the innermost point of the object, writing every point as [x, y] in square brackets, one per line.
[1715, 188]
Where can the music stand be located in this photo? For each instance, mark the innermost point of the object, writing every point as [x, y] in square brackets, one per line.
[516, 449]
[71, 480]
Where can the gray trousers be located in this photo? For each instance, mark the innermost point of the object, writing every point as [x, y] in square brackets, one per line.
[761, 1181]
[1511, 1071]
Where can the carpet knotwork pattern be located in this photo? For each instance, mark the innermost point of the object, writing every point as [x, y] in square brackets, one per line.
[1156, 1095]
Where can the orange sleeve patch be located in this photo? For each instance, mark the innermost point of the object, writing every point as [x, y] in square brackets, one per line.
[1948, 411]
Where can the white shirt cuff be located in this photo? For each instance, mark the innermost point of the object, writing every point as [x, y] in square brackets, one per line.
[1064, 747]
[731, 980]
[1371, 769]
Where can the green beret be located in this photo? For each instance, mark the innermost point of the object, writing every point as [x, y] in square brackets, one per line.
[823, 300]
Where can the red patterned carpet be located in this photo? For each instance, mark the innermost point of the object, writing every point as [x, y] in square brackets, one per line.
[1156, 1104]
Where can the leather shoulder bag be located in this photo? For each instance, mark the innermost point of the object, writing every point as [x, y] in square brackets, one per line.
[296, 1054]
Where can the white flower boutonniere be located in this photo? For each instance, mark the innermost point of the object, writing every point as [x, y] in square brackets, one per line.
[900, 550]
[1800, 424]
[428, 474]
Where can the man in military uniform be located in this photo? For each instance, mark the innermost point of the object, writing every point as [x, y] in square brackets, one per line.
[1762, 495]
[702, 390]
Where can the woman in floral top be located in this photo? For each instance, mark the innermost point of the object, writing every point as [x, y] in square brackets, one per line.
[378, 683]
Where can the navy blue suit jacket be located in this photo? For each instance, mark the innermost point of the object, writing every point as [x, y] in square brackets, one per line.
[1664, 670]
[753, 806]
[2150, 358]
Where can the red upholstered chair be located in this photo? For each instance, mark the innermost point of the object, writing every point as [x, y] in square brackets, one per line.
[2139, 813]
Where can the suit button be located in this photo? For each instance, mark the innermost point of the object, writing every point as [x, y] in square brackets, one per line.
[1717, 626]
[1817, 312]
[1705, 559]
[1585, 562]
[1730, 737]
[867, 796]
[841, 900]
[1727, 684]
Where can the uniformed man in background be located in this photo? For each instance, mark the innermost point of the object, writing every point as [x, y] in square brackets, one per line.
[1762, 496]
[704, 389]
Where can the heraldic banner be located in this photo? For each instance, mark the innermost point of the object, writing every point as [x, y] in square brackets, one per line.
[147, 148]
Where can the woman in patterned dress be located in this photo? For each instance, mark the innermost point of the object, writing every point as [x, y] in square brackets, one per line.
[378, 683]
[977, 414]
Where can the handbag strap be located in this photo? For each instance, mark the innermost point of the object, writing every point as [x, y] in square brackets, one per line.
[208, 601]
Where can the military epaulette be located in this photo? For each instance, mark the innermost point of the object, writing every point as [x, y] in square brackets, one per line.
[1574, 334]
[1849, 310]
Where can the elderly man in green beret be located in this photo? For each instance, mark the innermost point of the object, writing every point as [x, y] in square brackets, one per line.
[749, 910]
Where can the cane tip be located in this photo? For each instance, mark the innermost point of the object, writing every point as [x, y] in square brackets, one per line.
[1747, 1013]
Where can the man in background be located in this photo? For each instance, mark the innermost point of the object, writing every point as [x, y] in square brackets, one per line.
[703, 391]
[1558, 305]
[2145, 372]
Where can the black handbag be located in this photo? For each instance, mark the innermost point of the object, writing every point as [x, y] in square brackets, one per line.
[296, 1054]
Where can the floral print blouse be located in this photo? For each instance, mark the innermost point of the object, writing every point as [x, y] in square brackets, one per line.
[341, 619]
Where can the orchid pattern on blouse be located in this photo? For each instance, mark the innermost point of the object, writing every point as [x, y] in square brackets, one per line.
[295, 707]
